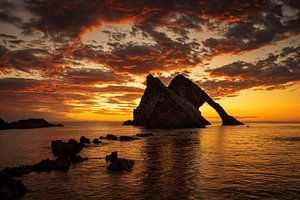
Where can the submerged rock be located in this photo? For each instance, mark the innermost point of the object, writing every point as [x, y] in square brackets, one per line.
[144, 134]
[11, 188]
[175, 106]
[27, 124]
[111, 137]
[84, 140]
[118, 164]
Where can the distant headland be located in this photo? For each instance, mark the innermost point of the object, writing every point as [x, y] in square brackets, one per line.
[175, 106]
[26, 124]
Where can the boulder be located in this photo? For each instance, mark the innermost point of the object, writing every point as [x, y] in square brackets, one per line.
[84, 140]
[11, 188]
[72, 147]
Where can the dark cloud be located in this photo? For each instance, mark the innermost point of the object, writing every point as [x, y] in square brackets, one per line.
[274, 72]
[257, 30]
[93, 76]
[30, 59]
[7, 15]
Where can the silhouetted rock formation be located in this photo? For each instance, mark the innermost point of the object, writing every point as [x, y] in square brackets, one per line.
[118, 164]
[176, 106]
[187, 89]
[11, 188]
[160, 107]
[26, 124]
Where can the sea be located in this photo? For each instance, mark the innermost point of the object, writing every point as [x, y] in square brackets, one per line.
[261, 161]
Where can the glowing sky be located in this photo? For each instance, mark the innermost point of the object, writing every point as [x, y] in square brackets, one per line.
[88, 60]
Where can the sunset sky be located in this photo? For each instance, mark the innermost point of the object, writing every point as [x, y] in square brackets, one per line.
[87, 60]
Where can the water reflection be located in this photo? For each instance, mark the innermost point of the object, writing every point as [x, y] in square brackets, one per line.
[212, 163]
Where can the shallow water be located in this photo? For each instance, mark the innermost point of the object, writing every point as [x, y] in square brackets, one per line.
[257, 162]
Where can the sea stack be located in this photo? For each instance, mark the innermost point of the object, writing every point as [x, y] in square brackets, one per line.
[175, 106]
[185, 88]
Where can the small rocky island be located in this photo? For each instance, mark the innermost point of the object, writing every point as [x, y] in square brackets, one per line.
[26, 124]
[175, 106]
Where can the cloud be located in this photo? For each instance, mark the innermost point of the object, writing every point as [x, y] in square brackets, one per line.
[257, 30]
[274, 72]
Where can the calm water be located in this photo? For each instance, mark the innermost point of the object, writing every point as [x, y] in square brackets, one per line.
[257, 162]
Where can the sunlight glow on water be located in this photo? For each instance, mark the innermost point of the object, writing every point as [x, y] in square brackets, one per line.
[260, 161]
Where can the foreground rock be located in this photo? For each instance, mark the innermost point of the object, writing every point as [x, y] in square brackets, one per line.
[66, 153]
[161, 107]
[70, 148]
[190, 91]
[118, 164]
[176, 106]
[11, 188]
[27, 124]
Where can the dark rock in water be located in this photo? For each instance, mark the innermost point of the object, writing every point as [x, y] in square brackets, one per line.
[111, 137]
[126, 138]
[11, 188]
[27, 124]
[72, 147]
[161, 107]
[84, 140]
[96, 141]
[144, 134]
[175, 106]
[102, 137]
[185, 88]
[118, 164]
[128, 122]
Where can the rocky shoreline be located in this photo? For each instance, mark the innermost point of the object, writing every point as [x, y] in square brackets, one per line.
[66, 153]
